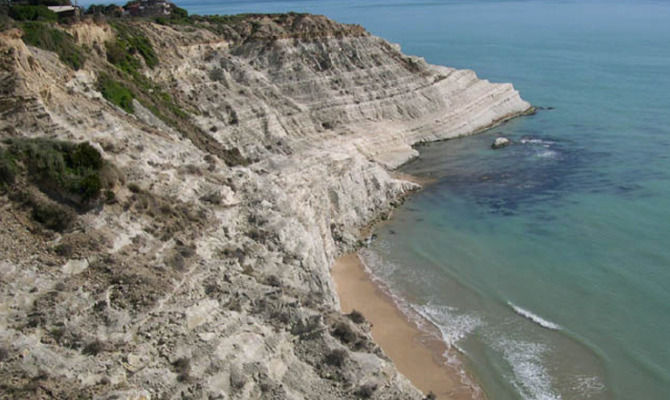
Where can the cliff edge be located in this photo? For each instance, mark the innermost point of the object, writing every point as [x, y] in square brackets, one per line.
[240, 156]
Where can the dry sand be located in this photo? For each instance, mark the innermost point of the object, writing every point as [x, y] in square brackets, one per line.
[416, 354]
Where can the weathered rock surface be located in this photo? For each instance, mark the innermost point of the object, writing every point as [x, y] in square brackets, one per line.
[500, 142]
[205, 280]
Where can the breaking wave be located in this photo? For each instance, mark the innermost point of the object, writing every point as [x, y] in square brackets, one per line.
[530, 378]
[533, 317]
[453, 325]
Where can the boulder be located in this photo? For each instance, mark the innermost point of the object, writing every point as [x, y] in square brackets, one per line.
[500, 142]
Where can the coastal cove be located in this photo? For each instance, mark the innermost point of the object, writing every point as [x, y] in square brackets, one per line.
[193, 206]
[565, 228]
[222, 165]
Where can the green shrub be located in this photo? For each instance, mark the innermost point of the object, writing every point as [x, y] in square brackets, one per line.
[6, 22]
[126, 53]
[121, 53]
[63, 170]
[48, 38]
[70, 174]
[178, 16]
[336, 357]
[7, 168]
[356, 316]
[143, 46]
[52, 215]
[178, 13]
[88, 186]
[43, 157]
[116, 93]
[22, 12]
[129, 42]
[119, 56]
[85, 156]
[110, 197]
[47, 212]
[344, 332]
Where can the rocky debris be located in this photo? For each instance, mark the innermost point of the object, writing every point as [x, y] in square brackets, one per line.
[207, 275]
[500, 142]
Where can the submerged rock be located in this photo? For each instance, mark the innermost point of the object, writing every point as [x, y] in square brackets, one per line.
[500, 142]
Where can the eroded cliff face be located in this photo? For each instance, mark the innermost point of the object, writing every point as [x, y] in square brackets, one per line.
[206, 277]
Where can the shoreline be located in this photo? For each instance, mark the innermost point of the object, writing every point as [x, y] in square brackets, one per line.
[417, 354]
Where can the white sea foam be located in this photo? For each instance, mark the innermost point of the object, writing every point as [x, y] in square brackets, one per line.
[541, 147]
[533, 317]
[547, 154]
[375, 264]
[536, 141]
[453, 325]
[379, 270]
[588, 386]
[530, 378]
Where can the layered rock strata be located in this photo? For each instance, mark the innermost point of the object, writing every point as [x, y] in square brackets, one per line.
[206, 279]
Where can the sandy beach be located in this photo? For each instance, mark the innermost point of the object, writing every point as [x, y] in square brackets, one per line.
[416, 354]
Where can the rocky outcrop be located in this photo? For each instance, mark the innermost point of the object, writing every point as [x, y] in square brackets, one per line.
[208, 278]
[500, 142]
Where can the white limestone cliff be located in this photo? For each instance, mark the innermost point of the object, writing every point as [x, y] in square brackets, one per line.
[209, 278]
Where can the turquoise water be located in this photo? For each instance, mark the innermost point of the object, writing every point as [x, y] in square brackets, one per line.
[546, 263]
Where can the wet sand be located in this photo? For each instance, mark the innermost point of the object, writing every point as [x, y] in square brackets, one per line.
[416, 354]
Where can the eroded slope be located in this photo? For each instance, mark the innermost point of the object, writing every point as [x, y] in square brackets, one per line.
[207, 274]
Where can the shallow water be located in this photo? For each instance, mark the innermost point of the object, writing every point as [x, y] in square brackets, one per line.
[546, 263]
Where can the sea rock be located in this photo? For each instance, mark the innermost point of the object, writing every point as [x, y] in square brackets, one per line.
[500, 142]
[213, 262]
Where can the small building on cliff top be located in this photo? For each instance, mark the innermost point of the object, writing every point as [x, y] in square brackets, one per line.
[64, 12]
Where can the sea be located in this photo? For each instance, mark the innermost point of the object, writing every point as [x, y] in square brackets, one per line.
[545, 264]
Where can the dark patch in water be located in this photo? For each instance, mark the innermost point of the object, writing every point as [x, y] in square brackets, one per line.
[536, 168]
[628, 188]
